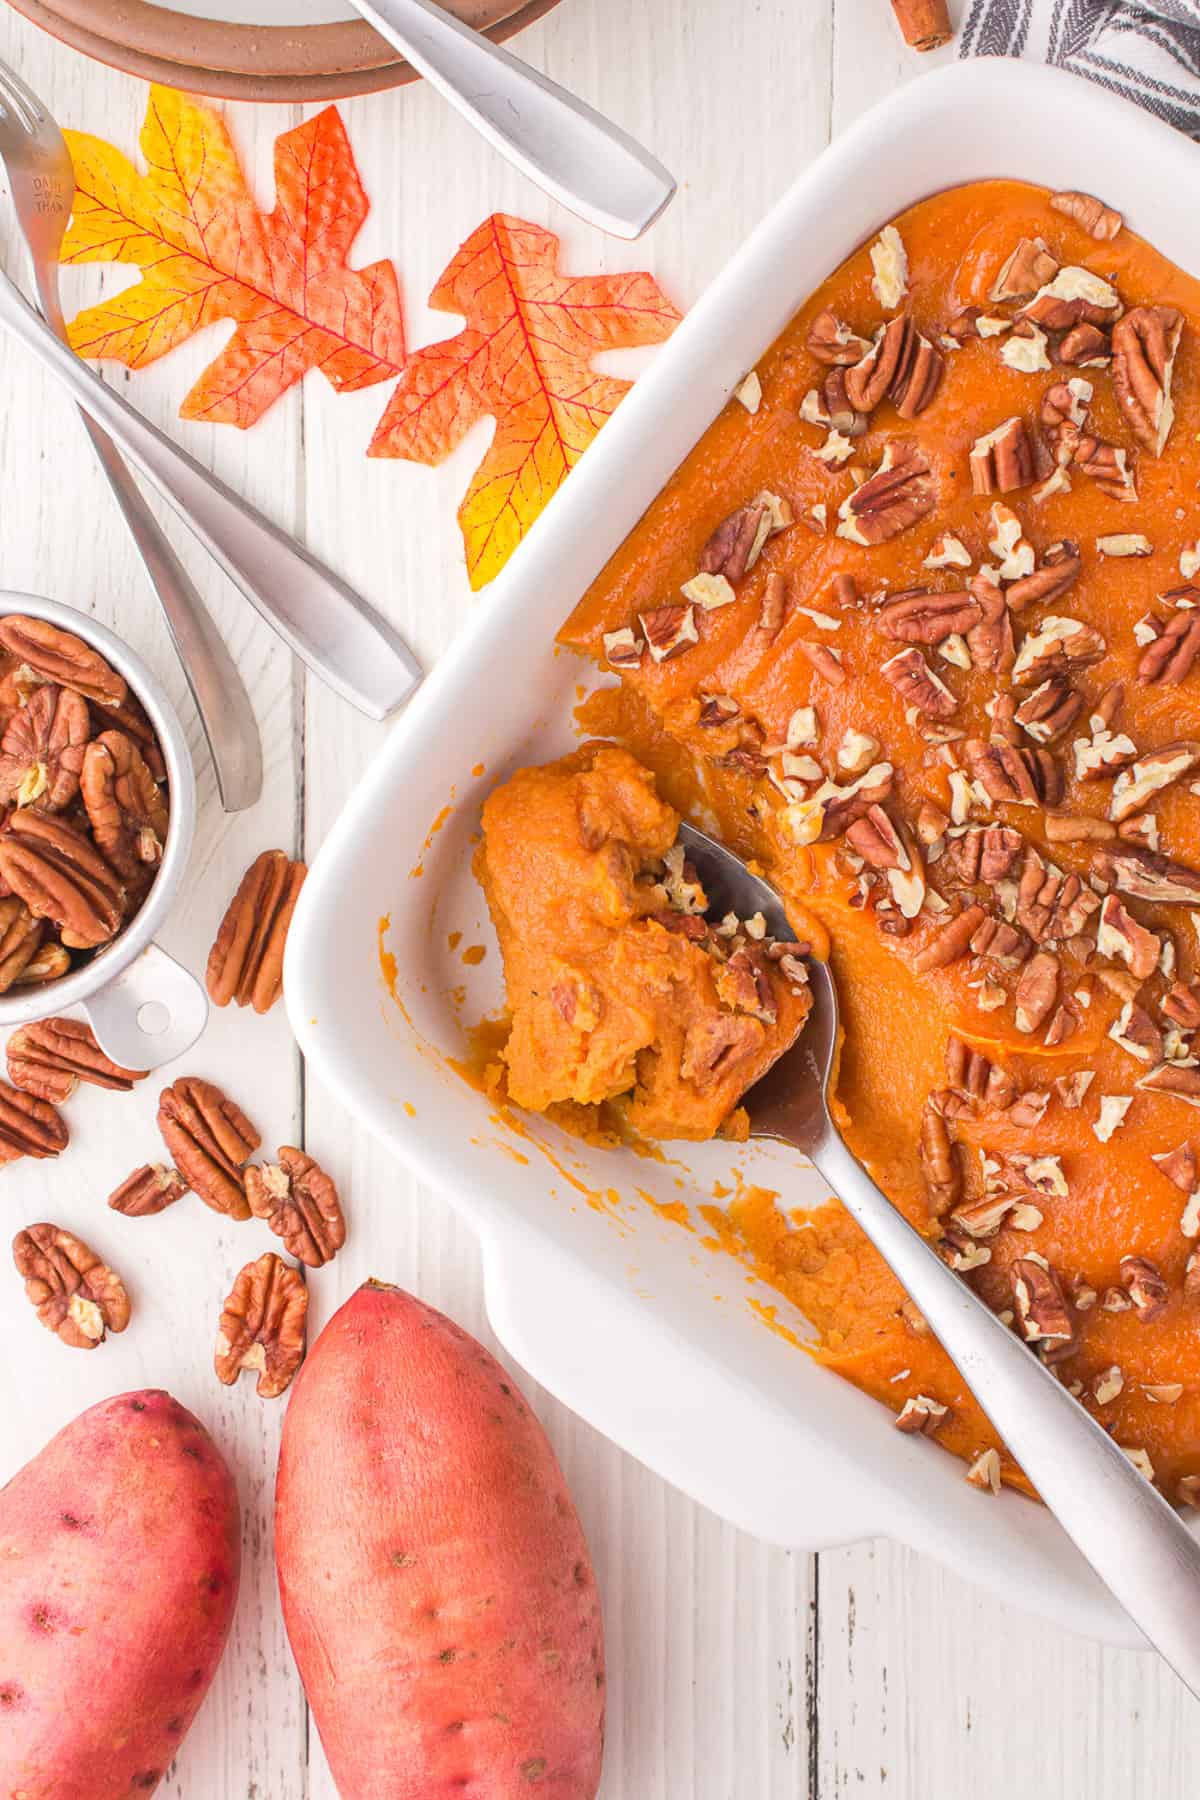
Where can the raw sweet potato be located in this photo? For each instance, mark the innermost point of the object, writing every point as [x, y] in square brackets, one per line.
[436, 1585]
[119, 1549]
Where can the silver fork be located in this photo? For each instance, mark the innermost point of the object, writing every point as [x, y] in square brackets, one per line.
[41, 181]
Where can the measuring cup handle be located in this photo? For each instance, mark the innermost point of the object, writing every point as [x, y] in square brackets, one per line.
[150, 1013]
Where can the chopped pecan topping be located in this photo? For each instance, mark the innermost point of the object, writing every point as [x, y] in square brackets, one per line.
[262, 1326]
[872, 376]
[889, 259]
[669, 630]
[1001, 943]
[1029, 268]
[1074, 296]
[42, 749]
[922, 617]
[127, 810]
[246, 961]
[990, 639]
[60, 876]
[1119, 935]
[20, 936]
[1078, 828]
[150, 1189]
[984, 1472]
[51, 1057]
[888, 502]
[877, 841]
[832, 342]
[1051, 904]
[1041, 1306]
[1147, 875]
[1108, 466]
[917, 685]
[1037, 991]
[623, 649]
[1170, 657]
[1102, 754]
[62, 657]
[973, 1074]
[1057, 646]
[28, 1126]
[211, 1140]
[1179, 1080]
[1022, 777]
[939, 1160]
[920, 1416]
[1181, 1004]
[999, 850]
[951, 942]
[826, 662]
[931, 823]
[1003, 459]
[1055, 575]
[76, 1295]
[1136, 785]
[1144, 1284]
[300, 1204]
[1049, 710]
[737, 543]
[1135, 1031]
[744, 985]
[1084, 347]
[773, 610]
[1144, 345]
[1099, 221]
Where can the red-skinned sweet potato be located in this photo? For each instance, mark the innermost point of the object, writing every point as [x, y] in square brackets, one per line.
[436, 1584]
[119, 1552]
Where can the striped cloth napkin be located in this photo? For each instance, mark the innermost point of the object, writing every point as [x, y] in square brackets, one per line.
[1148, 50]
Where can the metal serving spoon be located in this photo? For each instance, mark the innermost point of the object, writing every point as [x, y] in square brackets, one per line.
[1129, 1534]
[579, 157]
[41, 181]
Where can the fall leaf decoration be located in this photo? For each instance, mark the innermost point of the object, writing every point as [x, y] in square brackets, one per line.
[207, 253]
[523, 358]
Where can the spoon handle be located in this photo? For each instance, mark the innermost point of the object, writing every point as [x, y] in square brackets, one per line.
[582, 159]
[1129, 1534]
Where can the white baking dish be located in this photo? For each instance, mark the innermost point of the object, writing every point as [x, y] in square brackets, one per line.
[615, 1309]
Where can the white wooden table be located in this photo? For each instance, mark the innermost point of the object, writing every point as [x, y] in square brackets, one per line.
[737, 1671]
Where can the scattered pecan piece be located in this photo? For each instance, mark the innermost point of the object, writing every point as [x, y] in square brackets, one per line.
[1084, 347]
[262, 1326]
[623, 648]
[20, 936]
[669, 630]
[1041, 1306]
[825, 661]
[920, 1416]
[1144, 345]
[62, 657]
[1147, 875]
[1054, 576]
[1003, 459]
[42, 749]
[832, 342]
[1001, 943]
[1181, 1165]
[888, 502]
[735, 546]
[76, 1295]
[1108, 466]
[1023, 777]
[126, 807]
[1144, 1284]
[150, 1189]
[28, 1126]
[1181, 1004]
[1049, 710]
[922, 617]
[1057, 646]
[774, 603]
[873, 375]
[973, 1074]
[940, 1166]
[300, 1204]
[1029, 268]
[1137, 784]
[246, 961]
[1075, 296]
[1037, 991]
[1176, 1079]
[990, 639]
[918, 685]
[1099, 221]
[1170, 657]
[211, 1140]
[49, 1058]
[60, 876]
[951, 942]
[1120, 936]
[1000, 847]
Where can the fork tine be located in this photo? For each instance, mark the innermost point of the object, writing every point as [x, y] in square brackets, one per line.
[21, 98]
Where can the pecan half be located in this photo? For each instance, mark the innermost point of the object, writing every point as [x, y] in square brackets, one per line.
[921, 617]
[126, 807]
[1041, 1306]
[28, 1126]
[50, 961]
[1050, 710]
[891, 500]
[832, 342]
[150, 1189]
[917, 685]
[1049, 903]
[49, 1059]
[1023, 777]
[1029, 268]
[1001, 943]
[1037, 992]
[77, 1296]
[1099, 221]
[246, 961]
[1057, 646]
[60, 876]
[211, 1140]
[990, 639]
[1144, 346]
[919, 377]
[1056, 573]
[1170, 657]
[940, 1166]
[877, 841]
[42, 750]
[1147, 875]
[973, 1074]
[1144, 1284]
[62, 657]
[262, 1326]
[872, 376]
[20, 936]
[300, 1204]
[1000, 847]
[1003, 459]
[951, 943]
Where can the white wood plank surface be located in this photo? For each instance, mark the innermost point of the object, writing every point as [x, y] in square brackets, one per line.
[737, 1671]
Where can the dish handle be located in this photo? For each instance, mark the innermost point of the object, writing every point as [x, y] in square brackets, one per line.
[150, 1013]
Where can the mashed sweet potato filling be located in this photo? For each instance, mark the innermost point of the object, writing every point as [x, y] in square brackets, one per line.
[917, 623]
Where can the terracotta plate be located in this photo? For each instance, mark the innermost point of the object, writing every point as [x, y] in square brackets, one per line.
[254, 49]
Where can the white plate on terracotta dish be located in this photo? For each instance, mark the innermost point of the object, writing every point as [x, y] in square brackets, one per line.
[254, 49]
[598, 1293]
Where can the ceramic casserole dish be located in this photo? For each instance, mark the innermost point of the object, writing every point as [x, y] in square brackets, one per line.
[609, 1302]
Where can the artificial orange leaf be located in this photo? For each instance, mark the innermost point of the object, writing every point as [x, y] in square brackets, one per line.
[207, 253]
[523, 359]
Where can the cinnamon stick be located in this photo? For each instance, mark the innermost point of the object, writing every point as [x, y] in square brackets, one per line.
[925, 23]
